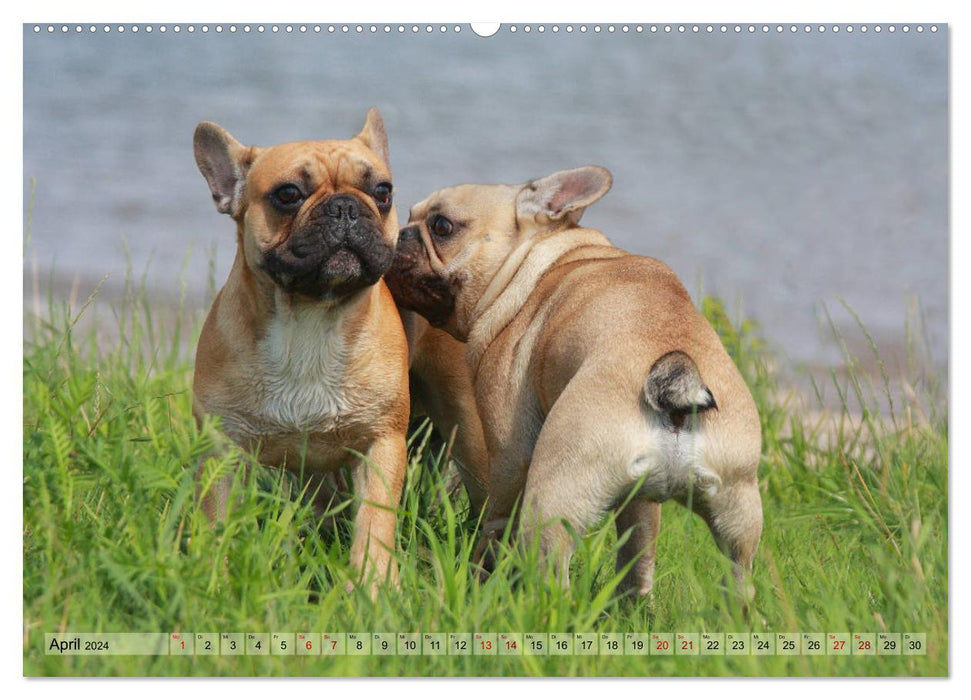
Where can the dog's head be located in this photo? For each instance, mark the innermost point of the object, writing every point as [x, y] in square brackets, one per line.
[458, 238]
[315, 218]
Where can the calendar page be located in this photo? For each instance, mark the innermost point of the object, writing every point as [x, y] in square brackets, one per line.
[451, 350]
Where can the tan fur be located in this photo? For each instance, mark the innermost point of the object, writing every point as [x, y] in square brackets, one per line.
[563, 329]
[306, 382]
[441, 388]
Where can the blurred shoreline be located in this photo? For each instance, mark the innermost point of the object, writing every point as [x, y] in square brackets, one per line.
[779, 173]
[891, 367]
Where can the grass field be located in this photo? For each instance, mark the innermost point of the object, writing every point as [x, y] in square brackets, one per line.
[855, 533]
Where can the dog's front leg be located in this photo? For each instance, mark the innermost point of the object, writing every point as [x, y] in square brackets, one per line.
[378, 480]
[213, 498]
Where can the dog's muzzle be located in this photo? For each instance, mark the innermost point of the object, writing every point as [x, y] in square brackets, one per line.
[338, 249]
[413, 283]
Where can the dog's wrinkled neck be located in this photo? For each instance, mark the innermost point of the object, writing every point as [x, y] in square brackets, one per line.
[288, 304]
[268, 302]
[515, 281]
[243, 283]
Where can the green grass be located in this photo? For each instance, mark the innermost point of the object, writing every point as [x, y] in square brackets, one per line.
[855, 533]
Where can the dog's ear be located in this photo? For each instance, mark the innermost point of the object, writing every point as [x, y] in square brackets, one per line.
[374, 136]
[564, 195]
[224, 162]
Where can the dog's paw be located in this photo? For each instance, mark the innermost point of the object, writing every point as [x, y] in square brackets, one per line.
[486, 553]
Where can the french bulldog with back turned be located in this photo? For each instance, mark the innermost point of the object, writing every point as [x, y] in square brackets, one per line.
[598, 383]
[303, 355]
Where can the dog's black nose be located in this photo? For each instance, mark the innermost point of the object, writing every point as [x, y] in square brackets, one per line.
[408, 233]
[342, 206]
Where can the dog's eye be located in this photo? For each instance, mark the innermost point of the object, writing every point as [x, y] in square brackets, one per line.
[287, 196]
[441, 226]
[382, 195]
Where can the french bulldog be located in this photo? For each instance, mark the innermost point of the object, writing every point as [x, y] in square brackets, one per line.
[303, 355]
[599, 385]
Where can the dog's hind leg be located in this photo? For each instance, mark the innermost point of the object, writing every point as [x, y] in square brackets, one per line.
[576, 474]
[640, 518]
[734, 516]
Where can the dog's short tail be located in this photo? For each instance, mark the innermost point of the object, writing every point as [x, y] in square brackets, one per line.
[674, 386]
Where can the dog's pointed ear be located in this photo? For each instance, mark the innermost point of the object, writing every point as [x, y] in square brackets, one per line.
[374, 136]
[224, 162]
[564, 195]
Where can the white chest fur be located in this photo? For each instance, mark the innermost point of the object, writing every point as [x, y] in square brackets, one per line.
[304, 356]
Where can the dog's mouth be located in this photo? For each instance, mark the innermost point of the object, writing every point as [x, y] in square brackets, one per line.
[416, 287]
[337, 248]
[343, 266]
[429, 296]
[328, 274]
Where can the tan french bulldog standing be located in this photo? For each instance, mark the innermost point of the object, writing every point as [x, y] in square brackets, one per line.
[593, 371]
[303, 355]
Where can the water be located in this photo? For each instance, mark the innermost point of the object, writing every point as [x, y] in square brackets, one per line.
[782, 172]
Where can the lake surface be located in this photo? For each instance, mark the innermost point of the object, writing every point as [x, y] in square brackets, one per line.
[781, 171]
